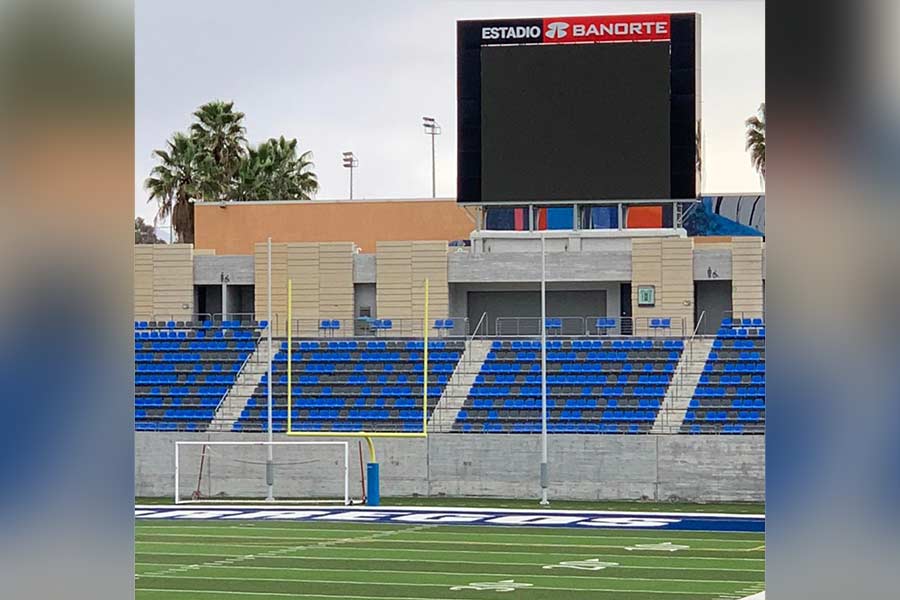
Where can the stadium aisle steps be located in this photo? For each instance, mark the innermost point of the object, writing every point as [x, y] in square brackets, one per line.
[457, 390]
[684, 382]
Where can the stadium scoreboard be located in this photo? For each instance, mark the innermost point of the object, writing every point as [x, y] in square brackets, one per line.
[583, 108]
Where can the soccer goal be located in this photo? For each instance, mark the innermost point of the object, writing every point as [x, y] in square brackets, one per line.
[301, 472]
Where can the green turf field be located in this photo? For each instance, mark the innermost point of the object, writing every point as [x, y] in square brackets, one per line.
[179, 560]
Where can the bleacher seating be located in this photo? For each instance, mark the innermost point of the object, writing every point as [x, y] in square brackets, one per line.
[184, 368]
[731, 395]
[611, 385]
[593, 386]
[353, 385]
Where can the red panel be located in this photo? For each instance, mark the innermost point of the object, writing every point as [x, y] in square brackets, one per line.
[519, 217]
[644, 217]
[621, 28]
[541, 219]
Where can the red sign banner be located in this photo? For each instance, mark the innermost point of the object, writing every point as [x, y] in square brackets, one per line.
[623, 28]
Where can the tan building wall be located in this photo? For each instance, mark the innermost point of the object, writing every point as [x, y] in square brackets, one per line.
[163, 282]
[401, 269]
[234, 228]
[747, 276]
[321, 279]
[668, 265]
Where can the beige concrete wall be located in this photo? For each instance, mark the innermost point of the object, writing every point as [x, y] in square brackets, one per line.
[400, 272]
[667, 264]
[143, 282]
[321, 277]
[747, 276]
[335, 279]
[163, 282]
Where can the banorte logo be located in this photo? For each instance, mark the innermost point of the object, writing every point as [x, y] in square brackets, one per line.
[557, 30]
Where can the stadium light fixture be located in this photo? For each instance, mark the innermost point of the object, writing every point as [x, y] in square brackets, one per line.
[432, 128]
[350, 162]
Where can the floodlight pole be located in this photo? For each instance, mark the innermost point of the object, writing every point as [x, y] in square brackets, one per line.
[432, 128]
[270, 471]
[350, 162]
[544, 468]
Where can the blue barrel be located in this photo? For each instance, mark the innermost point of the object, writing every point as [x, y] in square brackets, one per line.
[373, 490]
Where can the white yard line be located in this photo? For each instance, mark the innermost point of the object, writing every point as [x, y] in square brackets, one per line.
[427, 585]
[754, 589]
[305, 557]
[499, 531]
[397, 532]
[482, 552]
[585, 575]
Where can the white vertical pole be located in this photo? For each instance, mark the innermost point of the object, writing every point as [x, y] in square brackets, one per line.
[177, 498]
[544, 468]
[269, 468]
[346, 473]
[224, 297]
[433, 180]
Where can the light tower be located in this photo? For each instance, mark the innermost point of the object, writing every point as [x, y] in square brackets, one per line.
[350, 162]
[432, 128]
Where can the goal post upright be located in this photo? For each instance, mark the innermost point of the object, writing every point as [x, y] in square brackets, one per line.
[289, 351]
[425, 362]
[270, 469]
[373, 495]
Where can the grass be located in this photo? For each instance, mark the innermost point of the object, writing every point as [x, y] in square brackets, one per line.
[750, 508]
[208, 560]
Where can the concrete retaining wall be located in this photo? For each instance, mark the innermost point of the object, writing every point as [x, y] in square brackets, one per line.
[600, 467]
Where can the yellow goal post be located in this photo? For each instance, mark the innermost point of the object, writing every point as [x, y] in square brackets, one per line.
[368, 435]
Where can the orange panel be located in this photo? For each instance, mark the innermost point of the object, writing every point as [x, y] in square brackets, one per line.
[235, 228]
[644, 217]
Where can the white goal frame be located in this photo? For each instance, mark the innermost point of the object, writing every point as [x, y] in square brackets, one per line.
[345, 445]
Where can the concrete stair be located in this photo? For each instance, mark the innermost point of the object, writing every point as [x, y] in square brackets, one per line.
[684, 383]
[251, 373]
[457, 389]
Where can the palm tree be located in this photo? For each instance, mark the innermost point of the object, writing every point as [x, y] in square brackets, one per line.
[220, 132]
[145, 233]
[213, 162]
[175, 181]
[274, 171]
[756, 140]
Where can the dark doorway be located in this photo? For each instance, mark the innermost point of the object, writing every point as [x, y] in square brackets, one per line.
[713, 297]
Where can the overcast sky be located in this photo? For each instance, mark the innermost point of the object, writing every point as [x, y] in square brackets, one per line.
[360, 74]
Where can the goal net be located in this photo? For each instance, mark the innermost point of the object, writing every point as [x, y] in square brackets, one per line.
[301, 472]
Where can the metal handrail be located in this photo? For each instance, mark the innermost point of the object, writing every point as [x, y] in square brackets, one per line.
[241, 370]
[478, 325]
[401, 327]
[694, 334]
[469, 340]
[566, 325]
[196, 317]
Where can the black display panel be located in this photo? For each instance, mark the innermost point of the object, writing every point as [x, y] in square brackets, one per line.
[680, 32]
[575, 122]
